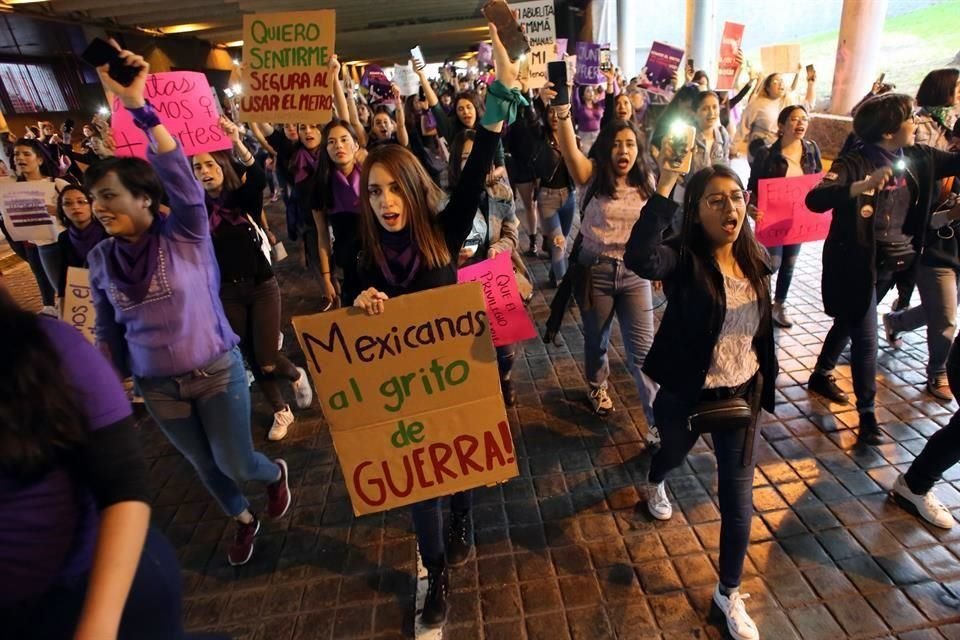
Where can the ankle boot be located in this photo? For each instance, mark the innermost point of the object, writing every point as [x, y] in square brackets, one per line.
[459, 539]
[869, 432]
[435, 605]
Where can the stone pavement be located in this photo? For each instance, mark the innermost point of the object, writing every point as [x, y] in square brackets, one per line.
[566, 551]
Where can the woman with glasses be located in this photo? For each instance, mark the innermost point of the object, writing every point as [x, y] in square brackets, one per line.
[82, 231]
[790, 156]
[936, 275]
[714, 345]
[881, 193]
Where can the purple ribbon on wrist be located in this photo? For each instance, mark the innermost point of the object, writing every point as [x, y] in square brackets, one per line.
[145, 117]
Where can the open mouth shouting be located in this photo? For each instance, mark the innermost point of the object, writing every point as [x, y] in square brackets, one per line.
[730, 224]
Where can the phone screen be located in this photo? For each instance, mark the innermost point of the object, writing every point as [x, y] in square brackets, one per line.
[605, 62]
[417, 56]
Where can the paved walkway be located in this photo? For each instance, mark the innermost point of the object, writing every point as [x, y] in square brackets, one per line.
[564, 551]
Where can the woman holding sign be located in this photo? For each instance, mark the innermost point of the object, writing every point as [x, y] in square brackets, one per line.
[617, 183]
[790, 156]
[156, 288]
[713, 356]
[411, 244]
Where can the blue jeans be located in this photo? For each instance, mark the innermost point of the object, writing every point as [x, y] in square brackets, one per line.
[206, 415]
[784, 260]
[616, 290]
[734, 478]
[428, 525]
[555, 207]
[861, 334]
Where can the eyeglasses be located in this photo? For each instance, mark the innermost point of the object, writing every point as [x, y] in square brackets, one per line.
[75, 203]
[718, 201]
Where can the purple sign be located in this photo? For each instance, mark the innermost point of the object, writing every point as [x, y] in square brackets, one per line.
[662, 64]
[588, 62]
[376, 82]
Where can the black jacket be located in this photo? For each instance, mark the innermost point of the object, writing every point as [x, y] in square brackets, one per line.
[68, 258]
[683, 347]
[770, 163]
[849, 252]
[456, 221]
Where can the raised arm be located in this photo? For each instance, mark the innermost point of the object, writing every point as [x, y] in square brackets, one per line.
[258, 133]
[339, 97]
[646, 253]
[240, 150]
[354, 113]
[402, 136]
[579, 165]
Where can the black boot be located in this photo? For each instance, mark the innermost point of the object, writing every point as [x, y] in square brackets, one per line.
[435, 605]
[869, 432]
[509, 395]
[532, 251]
[459, 539]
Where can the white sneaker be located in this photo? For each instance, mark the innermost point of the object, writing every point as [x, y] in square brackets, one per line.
[601, 402]
[250, 378]
[302, 391]
[926, 505]
[652, 437]
[281, 421]
[740, 625]
[49, 311]
[658, 503]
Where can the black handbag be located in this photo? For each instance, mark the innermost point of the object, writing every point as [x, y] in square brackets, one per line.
[893, 257]
[728, 414]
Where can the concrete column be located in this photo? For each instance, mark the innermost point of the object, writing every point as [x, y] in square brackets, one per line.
[861, 27]
[702, 37]
[627, 20]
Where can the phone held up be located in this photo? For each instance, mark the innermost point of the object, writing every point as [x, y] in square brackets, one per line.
[101, 52]
[681, 137]
[606, 62]
[557, 75]
[511, 35]
[418, 60]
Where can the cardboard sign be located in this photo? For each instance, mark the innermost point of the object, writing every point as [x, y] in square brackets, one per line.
[561, 47]
[78, 310]
[187, 108]
[780, 58]
[533, 69]
[538, 20]
[571, 62]
[786, 219]
[286, 75]
[662, 64]
[412, 396]
[509, 321]
[729, 47]
[406, 79]
[588, 63]
[25, 213]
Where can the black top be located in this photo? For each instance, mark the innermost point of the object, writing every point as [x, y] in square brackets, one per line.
[456, 221]
[237, 246]
[849, 252]
[284, 147]
[683, 346]
[771, 163]
[69, 258]
[448, 126]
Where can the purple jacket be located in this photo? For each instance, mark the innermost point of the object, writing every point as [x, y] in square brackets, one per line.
[180, 325]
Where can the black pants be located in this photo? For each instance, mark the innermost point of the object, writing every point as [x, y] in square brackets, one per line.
[253, 311]
[943, 447]
[346, 248]
[31, 255]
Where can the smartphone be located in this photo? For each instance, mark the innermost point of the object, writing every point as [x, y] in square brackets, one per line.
[100, 52]
[811, 72]
[513, 38]
[417, 55]
[681, 137]
[882, 77]
[557, 74]
[690, 68]
[606, 64]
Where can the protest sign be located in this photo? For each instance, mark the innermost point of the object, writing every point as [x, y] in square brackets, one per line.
[406, 79]
[729, 47]
[509, 321]
[286, 75]
[25, 213]
[571, 62]
[780, 58]
[187, 107]
[412, 396]
[78, 310]
[561, 47]
[588, 63]
[786, 219]
[662, 64]
[538, 21]
[485, 54]
[376, 82]
[533, 69]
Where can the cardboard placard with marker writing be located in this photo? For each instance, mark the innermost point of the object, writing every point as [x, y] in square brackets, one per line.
[78, 310]
[412, 396]
[187, 108]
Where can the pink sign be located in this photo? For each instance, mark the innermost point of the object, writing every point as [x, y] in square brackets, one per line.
[729, 47]
[786, 219]
[508, 317]
[186, 106]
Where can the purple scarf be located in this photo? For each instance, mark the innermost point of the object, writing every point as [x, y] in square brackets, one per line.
[83, 240]
[134, 263]
[220, 213]
[305, 164]
[402, 257]
[346, 191]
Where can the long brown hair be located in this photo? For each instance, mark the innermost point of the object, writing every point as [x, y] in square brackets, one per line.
[231, 181]
[421, 202]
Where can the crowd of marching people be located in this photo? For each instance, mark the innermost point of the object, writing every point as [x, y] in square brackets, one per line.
[391, 197]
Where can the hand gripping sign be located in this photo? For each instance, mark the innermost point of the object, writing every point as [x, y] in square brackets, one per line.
[412, 396]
